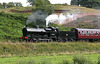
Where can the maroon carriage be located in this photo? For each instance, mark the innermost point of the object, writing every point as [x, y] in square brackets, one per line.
[87, 34]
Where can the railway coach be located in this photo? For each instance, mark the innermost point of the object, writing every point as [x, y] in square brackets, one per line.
[86, 34]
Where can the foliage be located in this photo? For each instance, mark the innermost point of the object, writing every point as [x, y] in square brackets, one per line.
[82, 60]
[31, 2]
[27, 62]
[44, 5]
[86, 3]
[10, 4]
[58, 59]
[65, 62]
[99, 60]
[11, 26]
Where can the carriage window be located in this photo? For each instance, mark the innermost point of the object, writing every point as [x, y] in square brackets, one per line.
[87, 33]
[91, 32]
[96, 33]
[82, 33]
[99, 33]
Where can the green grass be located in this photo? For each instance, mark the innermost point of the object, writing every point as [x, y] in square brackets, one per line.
[54, 53]
[36, 49]
[11, 26]
[51, 59]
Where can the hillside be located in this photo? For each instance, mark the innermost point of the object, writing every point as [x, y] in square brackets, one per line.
[12, 20]
[80, 17]
[59, 7]
[72, 8]
[89, 21]
[11, 26]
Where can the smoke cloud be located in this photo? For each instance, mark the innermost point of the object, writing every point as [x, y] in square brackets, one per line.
[38, 18]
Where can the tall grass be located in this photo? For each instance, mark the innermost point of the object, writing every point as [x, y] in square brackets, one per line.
[34, 49]
[65, 62]
[99, 60]
[82, 60]
[33, 61]
[77, 59]
[26, 62]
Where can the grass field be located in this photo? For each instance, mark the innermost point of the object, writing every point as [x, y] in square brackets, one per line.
[51, 59]
[54, 53]
[53, 48]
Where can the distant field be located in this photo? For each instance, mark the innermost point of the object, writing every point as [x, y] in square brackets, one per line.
[52, 59]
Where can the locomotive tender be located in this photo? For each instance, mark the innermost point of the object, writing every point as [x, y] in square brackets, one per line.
[50, 34]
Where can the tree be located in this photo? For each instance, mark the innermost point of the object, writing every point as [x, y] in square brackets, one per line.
[86, 3]
[10, 4]
[1, 6]
[89, 3]
[75, 2]
[43, 5]
[4, 5]
[31, 2]
[18, 4]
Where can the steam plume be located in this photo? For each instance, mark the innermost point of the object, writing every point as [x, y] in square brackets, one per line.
[39, 16]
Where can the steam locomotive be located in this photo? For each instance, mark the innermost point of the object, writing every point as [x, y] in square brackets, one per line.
[50, 34]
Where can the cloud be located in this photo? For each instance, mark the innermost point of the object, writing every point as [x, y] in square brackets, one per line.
[60, 1]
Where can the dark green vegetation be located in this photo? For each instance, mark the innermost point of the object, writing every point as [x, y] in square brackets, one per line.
[44, 5]
[86, 3]
[11, 26]
[34, 49]
[56, 59]
[10, 4]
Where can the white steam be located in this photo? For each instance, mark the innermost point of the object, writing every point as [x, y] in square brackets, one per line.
[60, 19]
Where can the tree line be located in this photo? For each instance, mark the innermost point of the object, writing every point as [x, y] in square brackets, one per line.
[43, 5]
[86, 3]
[10, 4]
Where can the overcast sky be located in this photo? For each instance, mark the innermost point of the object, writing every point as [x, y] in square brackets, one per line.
[24, 2]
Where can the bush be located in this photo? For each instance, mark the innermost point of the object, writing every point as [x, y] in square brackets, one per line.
[65, 62]
[99, 60]
[26, 62]
[81, 60]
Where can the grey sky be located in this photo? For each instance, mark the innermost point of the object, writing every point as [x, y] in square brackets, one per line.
[24, 2]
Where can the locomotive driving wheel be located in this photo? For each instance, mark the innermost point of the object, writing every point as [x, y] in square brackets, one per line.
[33, 40]
[59, 39]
